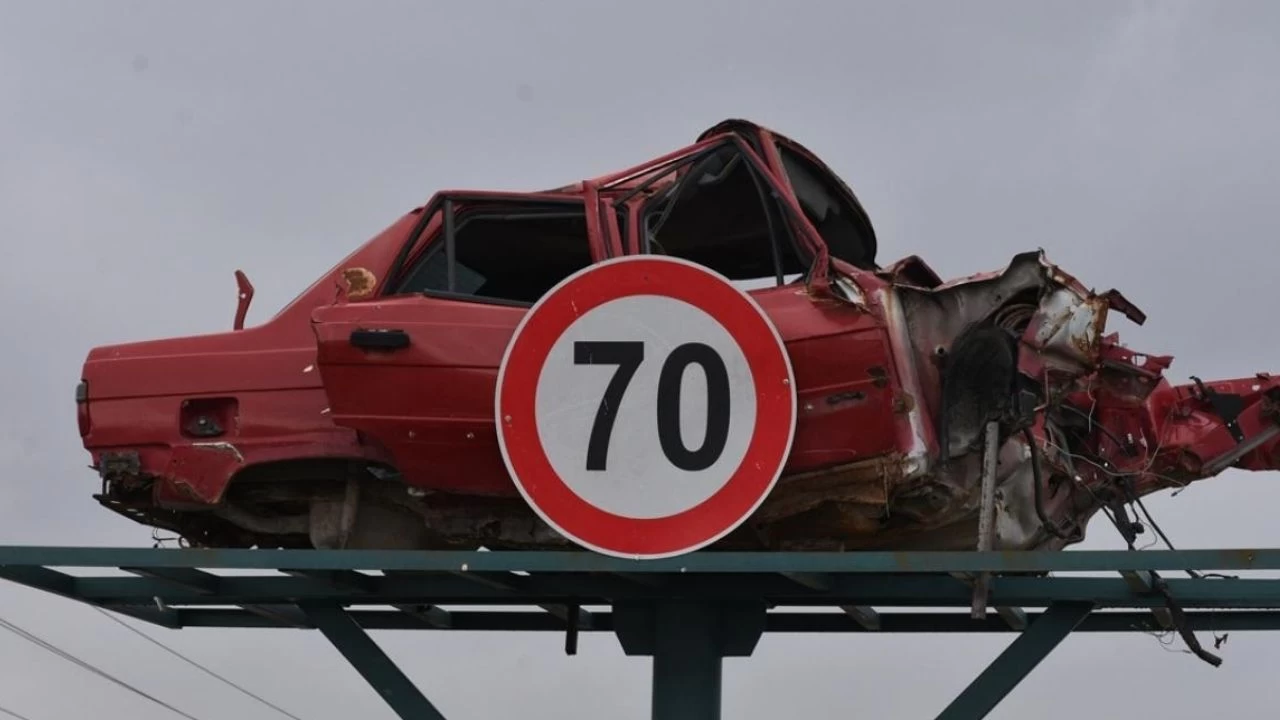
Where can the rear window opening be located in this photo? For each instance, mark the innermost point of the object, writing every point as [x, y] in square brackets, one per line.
[722, 214]
[510, 254]
[842, 224]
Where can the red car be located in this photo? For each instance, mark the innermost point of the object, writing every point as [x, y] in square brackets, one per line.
[361, 415]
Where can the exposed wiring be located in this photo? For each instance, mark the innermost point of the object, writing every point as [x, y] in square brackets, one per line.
[1156, 527]
[1036, 479]
[1150, 520]
[188, 660]
[1114, 473]
[1124, 482]
[32, 638]
[160, 541]
[1070, 457]
[1088, 417]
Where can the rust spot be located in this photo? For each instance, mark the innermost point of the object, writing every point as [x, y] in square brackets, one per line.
[188, 488]
[120, 466]
[1269, 407]
[1087, 344]
[360, 282]
[904, 403]
[847, 396]
[879, 376]
[868, 483]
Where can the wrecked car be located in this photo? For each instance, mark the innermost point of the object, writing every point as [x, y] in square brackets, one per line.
[304, 431]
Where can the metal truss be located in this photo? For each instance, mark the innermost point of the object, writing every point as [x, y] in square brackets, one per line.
[687, 613]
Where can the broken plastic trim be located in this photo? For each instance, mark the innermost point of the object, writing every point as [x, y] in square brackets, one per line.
[244, 298]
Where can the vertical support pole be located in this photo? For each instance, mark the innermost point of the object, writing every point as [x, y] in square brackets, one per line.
[688, 640]
[1017, 661]
[986, 516]
[371, 662]
[687, 662]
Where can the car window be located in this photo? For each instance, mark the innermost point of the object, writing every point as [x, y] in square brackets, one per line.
[512, 253]
[841, 223]
[721, 213]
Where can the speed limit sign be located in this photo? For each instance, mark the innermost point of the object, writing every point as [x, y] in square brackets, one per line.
[645, 407]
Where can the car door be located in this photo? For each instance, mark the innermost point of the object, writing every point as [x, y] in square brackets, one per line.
[414, 368]
[720, 208]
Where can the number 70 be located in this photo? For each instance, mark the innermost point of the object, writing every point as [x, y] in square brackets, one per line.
[628, 355]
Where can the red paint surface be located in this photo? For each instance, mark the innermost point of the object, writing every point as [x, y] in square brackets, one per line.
[302, 392]
[136, 392]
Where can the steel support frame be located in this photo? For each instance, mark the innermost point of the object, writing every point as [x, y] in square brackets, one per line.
[371, 662]
[688, 641]
[687, 613]
[1017, 661]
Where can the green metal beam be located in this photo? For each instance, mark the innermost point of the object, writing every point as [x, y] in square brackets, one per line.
[1144, 581]
[565, 589]
[40, 578]
[197, 581]
[1016, 617]
[949, 623]
[1017, 661]
[371, 662]
[344, 579]
[687, 612]
[432, 616]
[573, 561]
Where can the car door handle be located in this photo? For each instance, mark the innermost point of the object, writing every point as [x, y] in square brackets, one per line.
[380, 339]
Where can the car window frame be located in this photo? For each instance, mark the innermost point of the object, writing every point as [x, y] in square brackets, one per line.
[777, 144]
[424, 241]
[776, 196]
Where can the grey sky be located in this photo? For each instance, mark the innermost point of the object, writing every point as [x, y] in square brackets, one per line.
[148, 149]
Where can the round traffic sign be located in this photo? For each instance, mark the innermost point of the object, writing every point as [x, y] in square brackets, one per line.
[645, 407]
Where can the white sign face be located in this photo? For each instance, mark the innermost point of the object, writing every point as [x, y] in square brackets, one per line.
[645, 407]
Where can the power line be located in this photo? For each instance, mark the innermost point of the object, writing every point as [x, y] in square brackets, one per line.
[32, 638]
[11, 713]
[180, 656]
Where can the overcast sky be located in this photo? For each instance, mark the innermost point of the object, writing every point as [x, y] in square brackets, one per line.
[148, 149]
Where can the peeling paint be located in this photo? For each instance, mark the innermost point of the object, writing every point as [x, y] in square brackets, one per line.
[879, 376]
[843, 397]
[360, 282]
[220, 447]
[903, 403]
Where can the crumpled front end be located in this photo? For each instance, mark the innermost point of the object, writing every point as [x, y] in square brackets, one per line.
[1084, 424]
[1001, 347]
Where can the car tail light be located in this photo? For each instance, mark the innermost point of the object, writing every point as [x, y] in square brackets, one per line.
[82, 407]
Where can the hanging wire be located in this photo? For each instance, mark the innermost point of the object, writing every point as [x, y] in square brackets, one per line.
[1123, 481]
[32, 638]
[188, 660]
[11, 713]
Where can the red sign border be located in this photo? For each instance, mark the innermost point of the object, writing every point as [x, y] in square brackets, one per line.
[531, 470]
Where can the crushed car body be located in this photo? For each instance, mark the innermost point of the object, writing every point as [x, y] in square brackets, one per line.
[361, 414]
